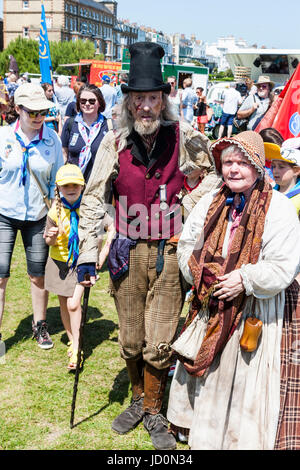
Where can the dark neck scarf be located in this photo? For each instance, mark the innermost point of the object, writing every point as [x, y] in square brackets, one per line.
[25, 150]
[230, 201]
[73, 243]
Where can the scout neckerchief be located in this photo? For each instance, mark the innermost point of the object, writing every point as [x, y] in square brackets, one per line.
[73, 243]
[292, 192]
[85, 153]
[25, 150]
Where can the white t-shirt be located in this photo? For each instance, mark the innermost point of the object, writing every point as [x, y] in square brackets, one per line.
[232, 98]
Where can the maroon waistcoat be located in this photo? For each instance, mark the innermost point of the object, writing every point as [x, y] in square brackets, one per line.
[136, 189]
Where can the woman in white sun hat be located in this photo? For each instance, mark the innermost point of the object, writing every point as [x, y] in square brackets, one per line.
[30, 155]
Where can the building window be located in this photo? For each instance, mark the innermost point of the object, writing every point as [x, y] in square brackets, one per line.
[48, 22]
[25, 32]
[25, 4]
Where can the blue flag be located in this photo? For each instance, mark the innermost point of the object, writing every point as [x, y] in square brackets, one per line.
[44, 51]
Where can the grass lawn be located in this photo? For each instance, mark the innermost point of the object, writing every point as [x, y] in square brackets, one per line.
[36, 388]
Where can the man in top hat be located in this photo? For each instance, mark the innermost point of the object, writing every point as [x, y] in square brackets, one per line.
[143, 162]
[256, 105]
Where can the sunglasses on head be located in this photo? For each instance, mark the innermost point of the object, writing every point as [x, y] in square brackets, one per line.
[90, 101]
[35, 114]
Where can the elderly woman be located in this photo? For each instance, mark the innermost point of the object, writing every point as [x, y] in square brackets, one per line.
[240, 248]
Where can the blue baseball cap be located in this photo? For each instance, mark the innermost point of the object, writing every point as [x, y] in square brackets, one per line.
[106, 78]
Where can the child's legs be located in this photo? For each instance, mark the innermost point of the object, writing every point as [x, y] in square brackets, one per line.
[65, 316]
[74, 309]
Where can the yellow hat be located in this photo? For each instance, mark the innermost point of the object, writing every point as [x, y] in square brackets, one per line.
[69, 174]
[274, 152]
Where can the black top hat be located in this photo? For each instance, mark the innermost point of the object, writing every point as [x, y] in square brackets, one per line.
[145, 69]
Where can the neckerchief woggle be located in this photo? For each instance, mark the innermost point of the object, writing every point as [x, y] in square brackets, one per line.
[25, 150]
[230, 201]
[85, 153]
[73, 243]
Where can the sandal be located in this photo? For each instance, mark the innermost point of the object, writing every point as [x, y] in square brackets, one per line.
[73, 360]
[70, 348]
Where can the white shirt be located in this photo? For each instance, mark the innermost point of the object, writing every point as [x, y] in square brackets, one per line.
[110, 97]
[26, 202]
[232, 98]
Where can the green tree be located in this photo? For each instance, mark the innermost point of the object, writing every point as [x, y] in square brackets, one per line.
[26, 53]
[69, 52]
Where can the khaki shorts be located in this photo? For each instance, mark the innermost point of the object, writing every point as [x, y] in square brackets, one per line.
[149, 305]
[59, 278]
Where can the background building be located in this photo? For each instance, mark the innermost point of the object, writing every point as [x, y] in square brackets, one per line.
[67, 20]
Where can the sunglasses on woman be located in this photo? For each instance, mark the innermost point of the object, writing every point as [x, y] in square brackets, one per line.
[90, 101]
[35, 114]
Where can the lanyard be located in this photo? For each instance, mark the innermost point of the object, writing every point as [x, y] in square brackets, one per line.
[25, 150]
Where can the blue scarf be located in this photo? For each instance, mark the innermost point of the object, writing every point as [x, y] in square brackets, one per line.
[73, 243]
[25, 150]
[292, 192]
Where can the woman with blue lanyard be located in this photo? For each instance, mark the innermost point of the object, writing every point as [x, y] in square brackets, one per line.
[30, 155]
[82, 135]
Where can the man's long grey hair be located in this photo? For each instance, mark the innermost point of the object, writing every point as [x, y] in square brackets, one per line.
[125, 121]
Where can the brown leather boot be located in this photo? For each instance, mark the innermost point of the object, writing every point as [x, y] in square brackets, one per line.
[154, 422]
[135, 371]
[133, 415]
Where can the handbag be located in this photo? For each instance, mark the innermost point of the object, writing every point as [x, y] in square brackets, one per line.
[240, 124]
[189, 342]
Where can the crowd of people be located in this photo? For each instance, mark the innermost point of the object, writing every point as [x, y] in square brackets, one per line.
[181, 218]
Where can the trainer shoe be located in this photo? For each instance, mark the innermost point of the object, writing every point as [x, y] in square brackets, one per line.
[129, 418]
[40, 333]
[157, 427]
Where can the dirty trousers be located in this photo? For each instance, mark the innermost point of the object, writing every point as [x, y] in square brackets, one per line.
[149, 304]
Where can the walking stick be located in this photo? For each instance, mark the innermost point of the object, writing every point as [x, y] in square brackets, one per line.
[80, 343]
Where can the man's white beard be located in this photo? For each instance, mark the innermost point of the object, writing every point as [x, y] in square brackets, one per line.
[146, 128]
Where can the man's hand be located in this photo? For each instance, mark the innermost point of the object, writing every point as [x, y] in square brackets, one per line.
[231, 286]
[103, 255]
[86, 274]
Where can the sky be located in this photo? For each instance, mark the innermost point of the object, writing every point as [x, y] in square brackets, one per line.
[270, 23]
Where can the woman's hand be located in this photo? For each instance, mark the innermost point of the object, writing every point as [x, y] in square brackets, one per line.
[230, 286]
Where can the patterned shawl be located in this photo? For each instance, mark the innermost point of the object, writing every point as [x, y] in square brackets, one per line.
[207, 263]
